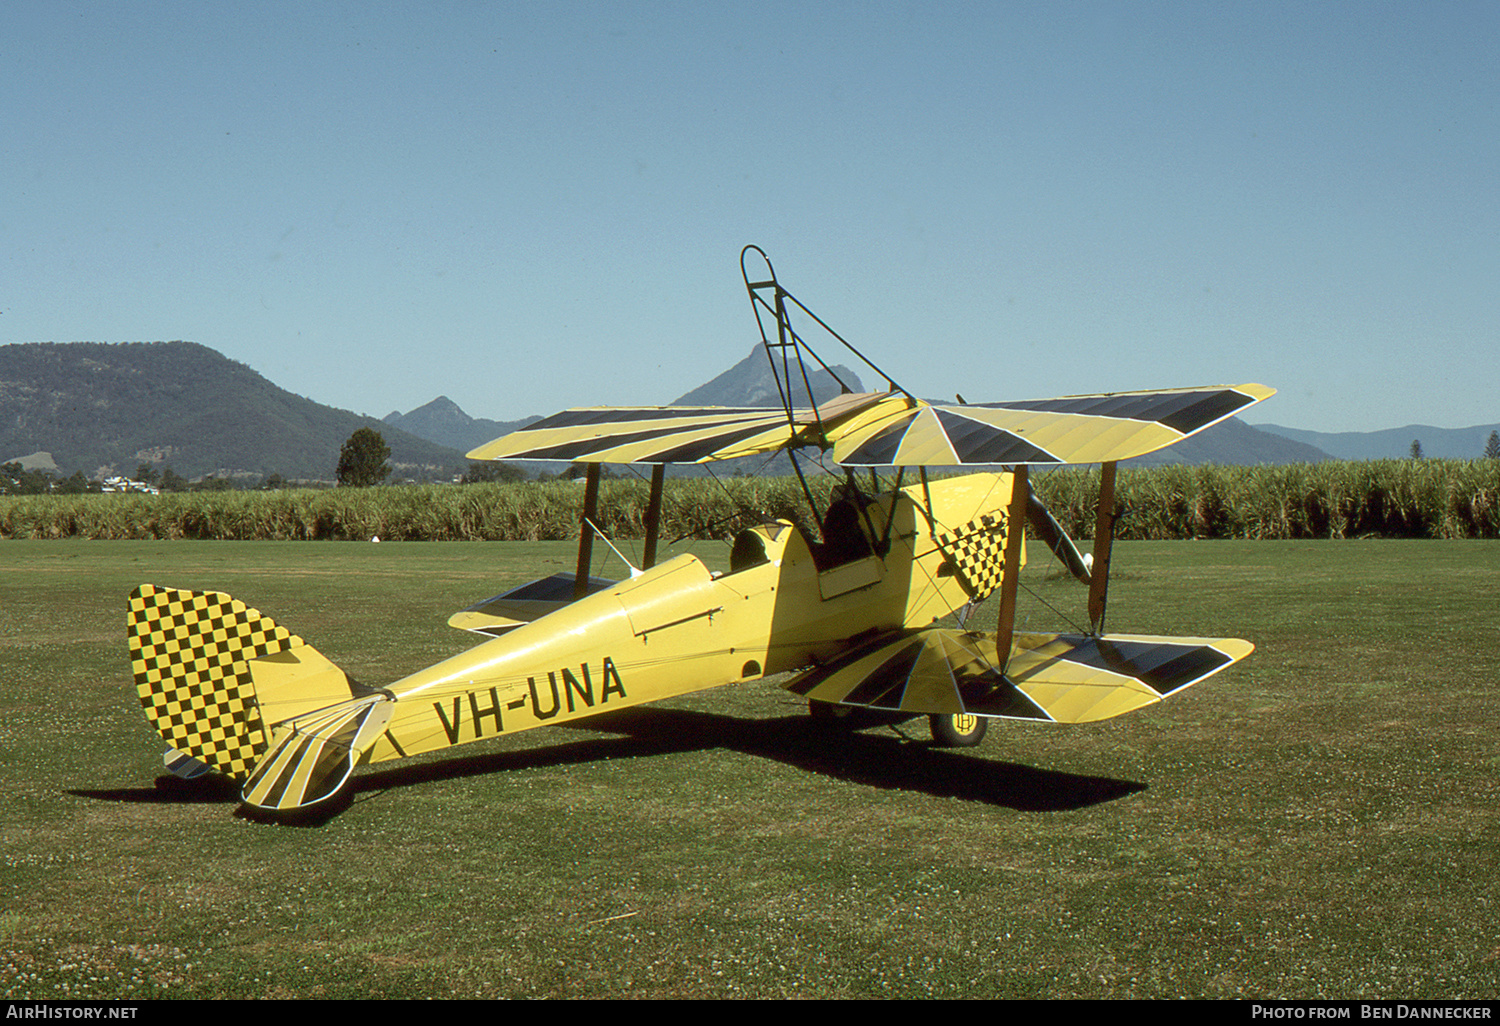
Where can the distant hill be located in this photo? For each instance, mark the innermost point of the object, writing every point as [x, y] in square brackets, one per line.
[103, 408]
[1232, 443]
[441, 421]
[100, 407]
[1394, 443]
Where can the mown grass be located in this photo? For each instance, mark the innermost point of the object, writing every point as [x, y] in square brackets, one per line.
[1386, 498]
[1315, 822]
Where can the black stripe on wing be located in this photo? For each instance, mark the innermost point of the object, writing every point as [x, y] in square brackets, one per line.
[686, 452]
[624, 415]
[977, 442]
[1164, 667]
[1185, 411]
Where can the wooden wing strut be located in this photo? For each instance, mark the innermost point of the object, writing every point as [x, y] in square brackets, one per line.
[1015, 533]
[1104, 536]
[653, 515]
[586, 530]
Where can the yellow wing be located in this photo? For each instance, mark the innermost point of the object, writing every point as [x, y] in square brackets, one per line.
[1061, 678]
[682, 434]
[1071, 429]
[885, 429]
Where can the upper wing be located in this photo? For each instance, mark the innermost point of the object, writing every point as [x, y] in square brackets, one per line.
[678, 434]
[1071, 429]
[885, 429]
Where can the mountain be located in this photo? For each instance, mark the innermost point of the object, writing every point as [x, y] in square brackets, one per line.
[751, 383]
[1394, 443]
[442, 422]
[102, 408]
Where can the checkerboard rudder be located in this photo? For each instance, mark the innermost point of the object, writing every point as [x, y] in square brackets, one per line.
[977, 552]
[190, 654]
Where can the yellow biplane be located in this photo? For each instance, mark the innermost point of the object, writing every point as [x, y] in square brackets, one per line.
[852, 613]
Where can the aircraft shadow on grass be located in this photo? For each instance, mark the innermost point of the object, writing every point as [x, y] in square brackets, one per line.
[874, 759]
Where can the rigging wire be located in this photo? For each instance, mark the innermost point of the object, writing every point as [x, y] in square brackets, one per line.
[1056, 612]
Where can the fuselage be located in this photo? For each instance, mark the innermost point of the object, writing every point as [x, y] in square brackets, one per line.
[784, 603]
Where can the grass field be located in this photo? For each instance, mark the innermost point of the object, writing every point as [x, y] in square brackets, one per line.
[1319, 821]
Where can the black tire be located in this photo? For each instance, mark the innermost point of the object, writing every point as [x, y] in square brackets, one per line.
[959, 730]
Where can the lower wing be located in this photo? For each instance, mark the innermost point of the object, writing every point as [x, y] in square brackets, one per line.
[1060, 678]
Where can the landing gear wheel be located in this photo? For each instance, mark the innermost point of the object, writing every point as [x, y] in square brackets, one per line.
[958, 730]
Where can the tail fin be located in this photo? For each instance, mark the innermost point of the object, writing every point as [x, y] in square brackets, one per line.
[231, 689]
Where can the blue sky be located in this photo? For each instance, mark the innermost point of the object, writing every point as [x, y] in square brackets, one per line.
[529, 206]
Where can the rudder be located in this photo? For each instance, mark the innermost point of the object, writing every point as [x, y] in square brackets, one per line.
[190, 654]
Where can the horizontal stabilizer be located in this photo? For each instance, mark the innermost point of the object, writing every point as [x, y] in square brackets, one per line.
[532, 601]
[226, 686]
[312, 755]
[1061, 678]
